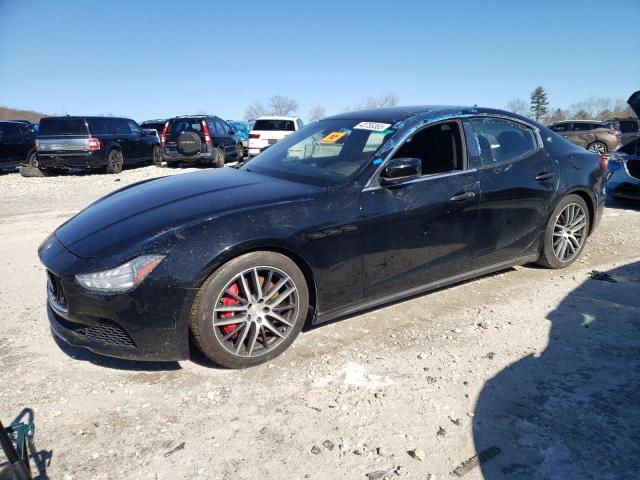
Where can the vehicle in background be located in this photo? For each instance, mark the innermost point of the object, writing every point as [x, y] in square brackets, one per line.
[354, 211]
[242, 130]
[595, 136]
[17, 144]
[268, 130]
[205, 139]
[156, 125]
[624, 164]
[629, 128]
[108, 143]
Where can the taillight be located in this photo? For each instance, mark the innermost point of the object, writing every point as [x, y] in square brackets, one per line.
[163, 135]
[254, 135]
[94, 144]
[603, 162]
[205, 130]
[37, 145]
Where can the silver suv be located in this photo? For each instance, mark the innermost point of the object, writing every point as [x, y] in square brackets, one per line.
[597, 137]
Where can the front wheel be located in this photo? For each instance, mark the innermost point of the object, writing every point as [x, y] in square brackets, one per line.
[566, 233]
[250, 310]
[115, 161]
[598, 147]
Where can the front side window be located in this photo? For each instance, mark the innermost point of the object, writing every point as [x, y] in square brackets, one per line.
[439, 148]
[502, 140]
[133, 127]
[323, 153]
[583, 126]
[561, 127]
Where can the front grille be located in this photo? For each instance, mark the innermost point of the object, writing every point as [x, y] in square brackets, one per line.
[106, 332]
[55, 292]
[633, 167]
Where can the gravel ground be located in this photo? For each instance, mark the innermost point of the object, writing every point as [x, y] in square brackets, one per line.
[539, 369]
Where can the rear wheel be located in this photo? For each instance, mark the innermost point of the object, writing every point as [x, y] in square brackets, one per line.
[566, 233]
[115, 161]
[156, 156]
[598, 147]
[219, 162]
[250, 310]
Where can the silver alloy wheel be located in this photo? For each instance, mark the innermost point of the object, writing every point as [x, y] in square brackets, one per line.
[569, 232]
[598, 147]
[255, 311]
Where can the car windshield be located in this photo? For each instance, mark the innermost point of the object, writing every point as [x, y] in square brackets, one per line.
[266, 125]
[63, 126]
[326, 152]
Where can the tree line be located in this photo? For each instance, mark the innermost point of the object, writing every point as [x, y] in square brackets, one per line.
[590, 109]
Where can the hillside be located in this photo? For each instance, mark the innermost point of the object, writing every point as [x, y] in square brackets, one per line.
[7, 113]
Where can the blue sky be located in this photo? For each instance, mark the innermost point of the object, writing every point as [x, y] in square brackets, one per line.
[151, 59]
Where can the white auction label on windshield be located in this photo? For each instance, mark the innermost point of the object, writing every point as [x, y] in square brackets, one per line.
[375, 126]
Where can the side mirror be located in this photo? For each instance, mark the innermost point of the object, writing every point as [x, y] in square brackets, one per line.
[400, 170]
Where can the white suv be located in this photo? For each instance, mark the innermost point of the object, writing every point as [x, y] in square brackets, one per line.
[268, 130]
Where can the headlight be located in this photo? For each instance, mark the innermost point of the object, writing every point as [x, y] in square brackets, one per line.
[125, 277]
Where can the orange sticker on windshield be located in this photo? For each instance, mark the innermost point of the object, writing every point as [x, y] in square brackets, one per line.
[333, 137]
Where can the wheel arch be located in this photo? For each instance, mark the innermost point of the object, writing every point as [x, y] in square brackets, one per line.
[588, 198]
[269, 246]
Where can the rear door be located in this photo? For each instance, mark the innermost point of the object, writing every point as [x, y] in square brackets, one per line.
[141, 147]
[224, 131]
[125, 139]
[12, 145]
[517, 180]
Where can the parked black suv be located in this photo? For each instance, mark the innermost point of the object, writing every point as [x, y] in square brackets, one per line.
[199, 138]
[17, 144]
[94, 142]
[157, 125]
[629, 127]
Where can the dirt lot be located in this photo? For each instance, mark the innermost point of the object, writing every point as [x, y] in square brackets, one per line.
[544, 365]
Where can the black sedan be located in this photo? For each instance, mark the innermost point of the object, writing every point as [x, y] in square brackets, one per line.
[352, 211]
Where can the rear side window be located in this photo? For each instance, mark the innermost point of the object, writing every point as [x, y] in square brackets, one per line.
[583, 126]
[63, 126]
[266, 125]
[628, 127]
[98, 126]
[10, 129]
[119, 126]
[503, 140]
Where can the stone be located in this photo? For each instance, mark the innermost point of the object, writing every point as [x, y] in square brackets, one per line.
[316, 450]
[418, 454]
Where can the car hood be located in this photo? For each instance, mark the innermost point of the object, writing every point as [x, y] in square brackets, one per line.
[634, 102]
[145, 210]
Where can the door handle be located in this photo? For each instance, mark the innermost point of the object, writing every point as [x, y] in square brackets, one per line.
[543, 177]
[461, 197]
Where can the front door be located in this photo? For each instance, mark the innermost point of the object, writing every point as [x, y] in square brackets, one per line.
[422, 231]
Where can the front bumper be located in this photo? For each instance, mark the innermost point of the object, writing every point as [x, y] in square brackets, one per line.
[147, 323]
[621, 184]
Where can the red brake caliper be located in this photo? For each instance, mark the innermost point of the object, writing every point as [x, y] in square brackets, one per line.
[230, 301]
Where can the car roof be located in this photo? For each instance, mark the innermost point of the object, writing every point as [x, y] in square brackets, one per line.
[276, 117]
[397, 114]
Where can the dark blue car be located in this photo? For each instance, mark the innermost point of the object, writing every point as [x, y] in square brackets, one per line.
[624, 164]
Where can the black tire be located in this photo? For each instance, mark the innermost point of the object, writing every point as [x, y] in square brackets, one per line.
[202, 310]
[548, 257]
[156, 155]
[114, 162]
[219, 161]
[598, 147]
[31, 160]
[32, 172]
[241, 153]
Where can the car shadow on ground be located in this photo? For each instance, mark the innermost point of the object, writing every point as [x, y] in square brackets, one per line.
[82, 354]
[41, 459]
[574, 410]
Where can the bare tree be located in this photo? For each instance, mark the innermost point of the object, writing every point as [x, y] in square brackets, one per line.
[519, 106]
[279, 105]
[276, 105]
[385, 100]
[316, 113]
[558, 115]
[255, 110]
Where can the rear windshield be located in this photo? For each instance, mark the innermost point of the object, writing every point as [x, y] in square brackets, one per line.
[62, 126]
[185, 125]
[283, 125]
